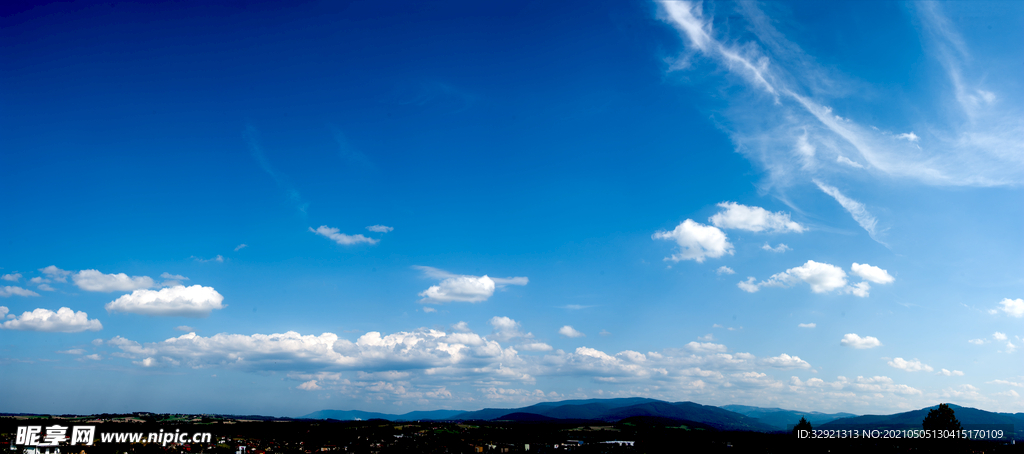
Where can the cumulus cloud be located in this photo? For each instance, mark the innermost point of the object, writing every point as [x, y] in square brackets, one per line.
[379, 228]
[536, 347]
[724, 270]
[341, 238]
[3, 311]
[780, 248]
[194, 301]
[754, 219]
[309, 386]
[807, 325]
[64, 320]
[696, 241]
[822, 277]
[95, 281]
[855, 341]
[569, 331]
[464, 288]
[785, 361]
[999, 336]
[9, 290]
[910, 366]
[872, 273]
[13, 277]
[1013, 308]
[506, 329]
[55, 274]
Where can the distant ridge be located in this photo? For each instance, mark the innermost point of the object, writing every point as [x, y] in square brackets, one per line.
[782, 419]
[912, 420]
[353, 415]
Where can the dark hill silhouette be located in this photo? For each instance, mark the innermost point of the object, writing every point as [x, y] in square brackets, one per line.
[782, 419]
[525, 417]
[912, 420]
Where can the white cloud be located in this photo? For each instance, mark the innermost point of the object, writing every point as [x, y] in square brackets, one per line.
[856, 209]
[724, 270]
[94, 357]
[55, 274]
[176, 277]
[822, 277]
[465, 288]
[859, 289]
[780, 248]
[1013, 308]
[910, 366]
[45, 288]
[807, 325]
[13, 277]
[73, 351]
[341, 238]
[3, 311]
[194, 301]
[309, 386]
[536, 347]
[64, 320]
[240, 247]
[8, 290]
[847, 161]
[855, 341]
[185, 328]
[999, 336]
[219, 259]
[909, 137]
[461, 327]
[785, 361]
[754, 219]
[872, 273]
[95, 281]
[948, 373]
[569, 331]
[429, 310]
[605, 333]
[380, 228]
[696, 241]
[506, 329]
[976, 341]
[706, 347]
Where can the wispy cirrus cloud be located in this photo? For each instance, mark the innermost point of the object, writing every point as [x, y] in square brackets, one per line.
[804, 138]
[343, 239]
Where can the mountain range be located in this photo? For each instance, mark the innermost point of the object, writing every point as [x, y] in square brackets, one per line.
[728, 417]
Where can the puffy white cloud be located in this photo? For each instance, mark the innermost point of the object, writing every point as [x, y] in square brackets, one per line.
[569, 331]
[1013, 308]
[754, 219]
[855, 341]
[860, 289]
[9, 290]
[309, 386]
[95, 281]
[505, 329]
[724, 270]
[706, 347]
[194, 301]
[13, 277]
[807, 325]
[949, 373]
[822, 277]
[910, 366]
[64, 320]
[785, 361]
[872, 273]
[55, 274]
[379, 228]
[696, 241]
[341, 238]
[465, 288]
[999, 336]
[536, 347]
[778, 249]
[3, 311]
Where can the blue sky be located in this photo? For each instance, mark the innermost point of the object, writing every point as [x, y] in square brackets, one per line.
[276, 209]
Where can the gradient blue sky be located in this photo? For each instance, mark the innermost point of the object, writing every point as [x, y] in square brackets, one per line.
[268, 208]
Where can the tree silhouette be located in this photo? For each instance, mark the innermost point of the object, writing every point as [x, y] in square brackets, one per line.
[941, 418]
[802, 425]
